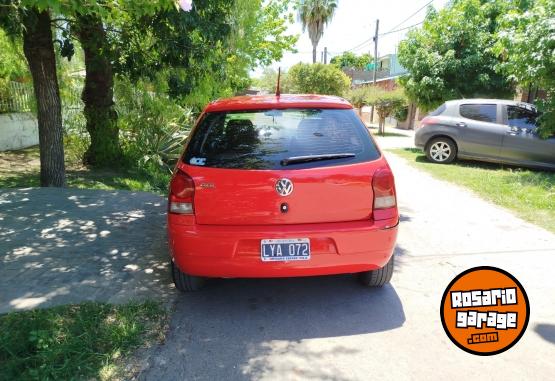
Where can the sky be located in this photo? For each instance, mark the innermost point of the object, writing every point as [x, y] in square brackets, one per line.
[354, 22]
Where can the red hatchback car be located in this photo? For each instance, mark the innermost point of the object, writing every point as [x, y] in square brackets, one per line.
[281, 186]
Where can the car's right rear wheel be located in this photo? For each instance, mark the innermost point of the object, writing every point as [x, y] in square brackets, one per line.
[379, 277]
[441, 150]
[185, 282]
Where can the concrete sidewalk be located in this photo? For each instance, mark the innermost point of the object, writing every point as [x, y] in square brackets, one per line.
[61, 246]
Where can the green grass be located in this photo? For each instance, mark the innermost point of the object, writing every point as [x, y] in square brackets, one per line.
[529, 193]
[386, 134]
[94, 179]
[20, 169]
[83, 341]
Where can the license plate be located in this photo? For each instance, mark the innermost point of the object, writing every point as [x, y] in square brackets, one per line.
[297, 249]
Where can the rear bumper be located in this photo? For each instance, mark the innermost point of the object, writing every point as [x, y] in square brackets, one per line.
[420, 138]
[234, 251]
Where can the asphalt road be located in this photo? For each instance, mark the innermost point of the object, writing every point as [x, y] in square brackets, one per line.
[330, 328]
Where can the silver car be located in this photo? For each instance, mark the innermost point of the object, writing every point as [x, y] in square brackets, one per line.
[491, 130]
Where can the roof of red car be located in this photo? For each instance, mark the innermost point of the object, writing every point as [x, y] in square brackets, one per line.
[264, 102]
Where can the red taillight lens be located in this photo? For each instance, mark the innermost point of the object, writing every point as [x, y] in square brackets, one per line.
[385, 201]
[428, 120]
[182, 191]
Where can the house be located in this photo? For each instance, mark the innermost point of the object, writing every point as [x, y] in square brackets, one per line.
[388, 69]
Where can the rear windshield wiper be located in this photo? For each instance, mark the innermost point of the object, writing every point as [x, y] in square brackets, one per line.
[309, 158]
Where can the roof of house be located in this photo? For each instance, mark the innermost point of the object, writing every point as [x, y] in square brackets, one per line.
[264, 102]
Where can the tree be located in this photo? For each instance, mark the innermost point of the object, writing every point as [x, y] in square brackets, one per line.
[450, 56]
[208, 52]
[314, 16]
[34, 26]
[526, 46]
[385, 102]
[267, 81]
[317, 79]
[349, 60]
[98, 92]
[358, 97]
[31, 20]
[89, 22]
[12, 60]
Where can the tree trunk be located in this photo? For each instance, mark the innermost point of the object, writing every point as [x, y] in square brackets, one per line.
[381, 126]
[39, 52]
[98, 94]
[314, 53]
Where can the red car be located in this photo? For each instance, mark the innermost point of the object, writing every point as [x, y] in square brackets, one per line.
[281, 186]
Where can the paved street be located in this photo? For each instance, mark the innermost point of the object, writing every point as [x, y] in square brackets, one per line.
[330, 328]
[62, 246]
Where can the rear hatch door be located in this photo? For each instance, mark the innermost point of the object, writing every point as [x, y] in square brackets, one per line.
[237, 159]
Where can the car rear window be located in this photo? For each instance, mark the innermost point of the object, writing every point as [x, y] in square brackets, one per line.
[481, 112]
[520, 117]
[267, 139]
[438, 110]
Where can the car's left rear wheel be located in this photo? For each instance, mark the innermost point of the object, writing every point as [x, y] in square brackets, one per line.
[185, 282]
[441, 150]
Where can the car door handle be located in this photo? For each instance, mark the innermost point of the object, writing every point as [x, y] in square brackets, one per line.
[460, 124]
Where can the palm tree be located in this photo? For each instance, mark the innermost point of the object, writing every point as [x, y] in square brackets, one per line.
[315, 15]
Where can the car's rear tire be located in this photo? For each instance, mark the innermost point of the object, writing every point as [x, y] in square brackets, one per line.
[185, 282]
[379, 277]
[441, 150]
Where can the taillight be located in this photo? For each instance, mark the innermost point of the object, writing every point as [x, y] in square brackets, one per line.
[182, 192]
[428, 120]
[385, 201]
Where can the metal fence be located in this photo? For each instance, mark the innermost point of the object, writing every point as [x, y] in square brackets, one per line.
[16, 97]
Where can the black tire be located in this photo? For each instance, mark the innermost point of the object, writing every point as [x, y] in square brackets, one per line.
[379, 277]
[441, 150]
[185, 282]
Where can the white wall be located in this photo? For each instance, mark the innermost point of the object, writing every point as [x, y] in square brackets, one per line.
[18, 130]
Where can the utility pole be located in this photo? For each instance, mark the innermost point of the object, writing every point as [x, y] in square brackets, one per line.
[325, 55]
[375, 63]
[321, 57]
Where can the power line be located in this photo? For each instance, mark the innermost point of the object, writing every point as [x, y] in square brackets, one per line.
[363, 44]
[411, 16]
[359, 45]
[402, 29]
[393, 30]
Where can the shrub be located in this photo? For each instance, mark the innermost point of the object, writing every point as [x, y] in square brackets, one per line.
[317, 79]
[153, 127]
[385, 102]
[358, 97]
[401, 113]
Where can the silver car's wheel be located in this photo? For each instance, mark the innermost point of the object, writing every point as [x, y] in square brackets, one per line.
[441, 150]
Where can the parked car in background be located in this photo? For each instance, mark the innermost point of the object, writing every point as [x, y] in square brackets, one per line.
[493, 130]
[281, 186]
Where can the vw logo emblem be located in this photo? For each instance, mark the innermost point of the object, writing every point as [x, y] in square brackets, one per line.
[284, 187]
